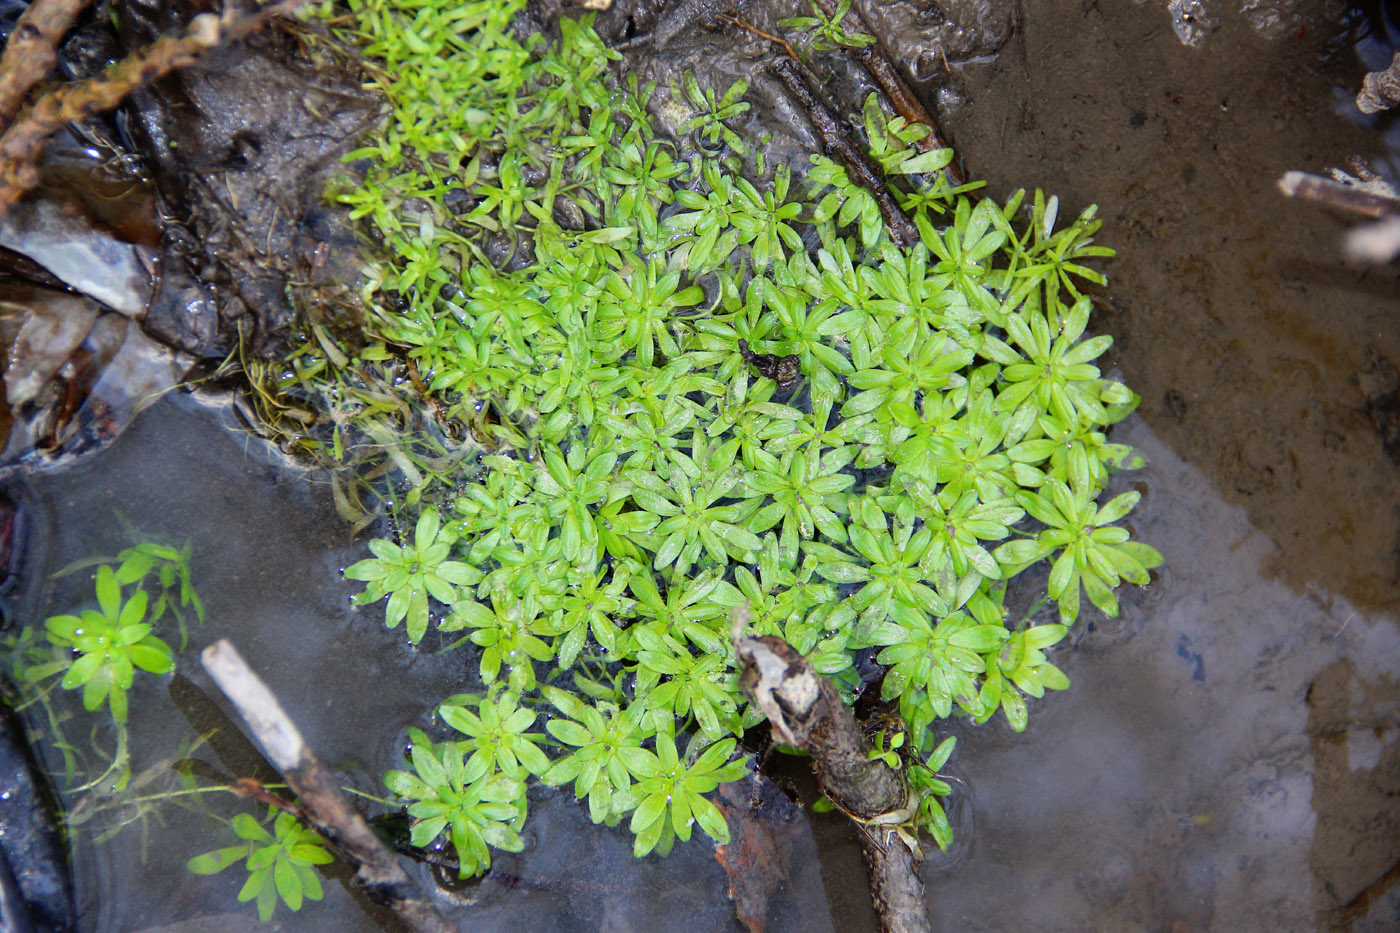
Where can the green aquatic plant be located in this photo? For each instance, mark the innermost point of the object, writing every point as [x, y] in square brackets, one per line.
[409, 574]
[497, 733]
[698, 388]
[669, 796]
[1092, 549]
[107, 645]
[823, 32]
[925, 789]
[468, 798]
[601, 734]
[281, 864]
[712, 111]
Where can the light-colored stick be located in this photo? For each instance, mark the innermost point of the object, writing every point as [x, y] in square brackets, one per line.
[376, 868]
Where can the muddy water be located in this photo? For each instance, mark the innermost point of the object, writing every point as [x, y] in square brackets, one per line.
[1229, 754]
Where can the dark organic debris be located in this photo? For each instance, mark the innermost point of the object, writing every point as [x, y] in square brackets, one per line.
[771, 858]
[1347, 197]
[837, 140]
[24, 140]
[1380, 387]
[781, 369]
[241, 146]
[75, 376]
[896, 90]
[56, 233]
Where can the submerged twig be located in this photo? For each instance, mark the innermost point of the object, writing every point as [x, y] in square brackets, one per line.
[805, 711]
[376, 868]
[1351, 198]
[836, 141]
[24, 141]
[901, 97]
[776, 40]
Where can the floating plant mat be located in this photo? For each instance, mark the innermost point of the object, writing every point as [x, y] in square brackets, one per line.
[636, 373]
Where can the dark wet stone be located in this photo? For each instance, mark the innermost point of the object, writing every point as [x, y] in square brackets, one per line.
[35, 890]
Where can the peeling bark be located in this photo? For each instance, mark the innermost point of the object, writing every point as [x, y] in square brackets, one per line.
[1380, 90]
[806, 712]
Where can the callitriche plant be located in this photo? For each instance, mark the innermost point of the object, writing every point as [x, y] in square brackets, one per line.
[603, 315]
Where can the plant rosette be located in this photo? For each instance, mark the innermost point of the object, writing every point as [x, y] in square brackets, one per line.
[109, 643]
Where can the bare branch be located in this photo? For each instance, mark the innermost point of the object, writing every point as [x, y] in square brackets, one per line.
[836, 140]
[805, 710]
[905, 103]
[377, 869]
[24, 141]
[1352, 198]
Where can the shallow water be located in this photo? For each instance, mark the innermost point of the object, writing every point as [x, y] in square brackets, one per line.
[1227, 756]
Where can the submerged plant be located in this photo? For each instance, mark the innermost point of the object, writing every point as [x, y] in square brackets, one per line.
[669, 796]
[466, 797]
[107, 644]
[280, 864]
[411, 573]
[712, 111]
[823, 32]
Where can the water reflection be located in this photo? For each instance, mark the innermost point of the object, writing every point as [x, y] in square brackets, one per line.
[1178, 783]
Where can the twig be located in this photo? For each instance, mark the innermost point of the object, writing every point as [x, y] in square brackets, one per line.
[377, 870]
[776, 40]
[1335, 194]
[805, 711]
[32, 50]
[1380, 90]
[24, 141]
[837, 142]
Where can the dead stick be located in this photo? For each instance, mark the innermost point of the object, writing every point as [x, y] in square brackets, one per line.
[750, 27]
[837, 142]
[24, 141]
[32, 50]
[376, 868]
[909, 107]
[806, 712]
[1335, 194]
